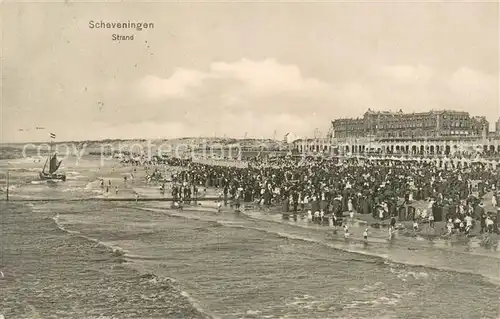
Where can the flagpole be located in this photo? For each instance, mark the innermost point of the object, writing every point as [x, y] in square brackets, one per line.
[51, 136]
[7, 192]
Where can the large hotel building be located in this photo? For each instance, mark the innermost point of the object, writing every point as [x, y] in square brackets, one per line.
[427, 133]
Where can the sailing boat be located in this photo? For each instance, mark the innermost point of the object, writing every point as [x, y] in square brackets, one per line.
[53, 167]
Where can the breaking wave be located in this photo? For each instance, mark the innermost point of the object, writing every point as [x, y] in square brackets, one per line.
[337, 245]
[123, 255]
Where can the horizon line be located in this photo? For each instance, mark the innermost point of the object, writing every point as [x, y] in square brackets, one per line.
[142, 140]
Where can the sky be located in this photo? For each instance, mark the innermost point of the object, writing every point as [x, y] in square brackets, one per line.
[236, 69]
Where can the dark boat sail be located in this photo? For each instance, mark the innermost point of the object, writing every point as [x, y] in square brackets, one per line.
[53, 167]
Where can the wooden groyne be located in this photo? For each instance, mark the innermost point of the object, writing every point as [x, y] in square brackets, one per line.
[111, 199]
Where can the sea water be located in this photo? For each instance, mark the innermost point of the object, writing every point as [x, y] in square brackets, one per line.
[254, 265]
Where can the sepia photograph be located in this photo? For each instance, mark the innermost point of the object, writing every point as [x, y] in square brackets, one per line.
[249, 159]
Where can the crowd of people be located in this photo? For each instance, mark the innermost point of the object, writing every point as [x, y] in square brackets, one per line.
[319, 188]
[380, 188]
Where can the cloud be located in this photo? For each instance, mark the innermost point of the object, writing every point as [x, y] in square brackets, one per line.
[144, 129]
[407, 73]
[418, 88]
[353, 98]
[268, 86]
[265, 125]
[268, 76]
[473, 85]
[476, 92]
[263, 97]
[247, 79]
[260, 97]
[176, 86]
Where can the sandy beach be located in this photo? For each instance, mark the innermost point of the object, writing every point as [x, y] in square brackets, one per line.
[97, 259]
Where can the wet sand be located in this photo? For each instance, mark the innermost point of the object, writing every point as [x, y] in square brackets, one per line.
[52, 274]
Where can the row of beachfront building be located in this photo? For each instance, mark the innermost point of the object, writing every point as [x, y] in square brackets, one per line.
[428, 133]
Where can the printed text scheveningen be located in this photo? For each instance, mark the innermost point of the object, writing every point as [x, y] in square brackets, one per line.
[139, 26]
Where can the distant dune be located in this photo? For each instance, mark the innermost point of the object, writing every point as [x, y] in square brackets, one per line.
[15, 150]
[11, 152]
[171, 140]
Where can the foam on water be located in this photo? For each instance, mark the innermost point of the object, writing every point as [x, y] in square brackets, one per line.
[60, 226]
[369, 295]
[197, 306]
[24, 169]
[11, 187]
[304, 305]
[122, 252]
[341, 245]
[27, 160]
[387, 257]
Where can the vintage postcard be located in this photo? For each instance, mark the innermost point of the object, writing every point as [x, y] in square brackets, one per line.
[249, 159]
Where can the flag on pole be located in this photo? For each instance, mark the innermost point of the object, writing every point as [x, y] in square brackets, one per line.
[52, 135]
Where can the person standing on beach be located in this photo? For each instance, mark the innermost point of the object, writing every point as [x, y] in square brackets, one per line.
[468, 223]
[346, 232]
[305, 202]
[483, 222]
[350, 208]
[365, 235]
[301, 202]
[393, 222]
[449, 226]
[489, 224]
[415, 225]
[237, 202]
[334, 220]
[391, 233]
[456, 223]
[461, 226]
[431, 220]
